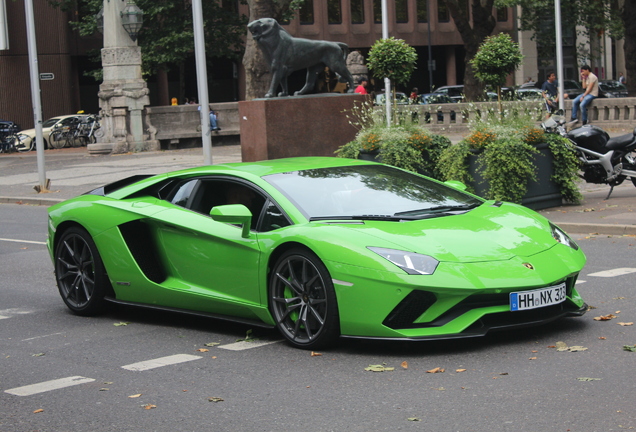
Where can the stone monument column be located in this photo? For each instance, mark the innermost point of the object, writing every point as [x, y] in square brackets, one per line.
[123, 93]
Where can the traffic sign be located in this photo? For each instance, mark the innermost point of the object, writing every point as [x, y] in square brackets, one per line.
[46, 76]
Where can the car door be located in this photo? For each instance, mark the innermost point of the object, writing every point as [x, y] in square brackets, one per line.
[208, 258]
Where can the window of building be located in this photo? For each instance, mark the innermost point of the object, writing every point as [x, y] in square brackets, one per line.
[357, 11]
[422, 15]
[306, 12]
[443, 15]
[230, 5]
[334, 11]
[502, 14]
[401, 11]
[377, 11]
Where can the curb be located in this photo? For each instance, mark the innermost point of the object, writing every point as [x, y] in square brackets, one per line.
[30, 201]
[583, 228]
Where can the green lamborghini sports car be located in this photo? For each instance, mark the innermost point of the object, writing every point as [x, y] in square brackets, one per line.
[317, 247]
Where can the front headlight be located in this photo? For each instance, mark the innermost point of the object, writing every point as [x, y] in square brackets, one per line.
[562, 237]
[410, 262]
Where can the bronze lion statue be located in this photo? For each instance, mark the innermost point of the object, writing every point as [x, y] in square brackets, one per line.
[286, 54]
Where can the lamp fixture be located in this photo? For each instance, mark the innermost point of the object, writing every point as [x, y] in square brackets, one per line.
[132, 19]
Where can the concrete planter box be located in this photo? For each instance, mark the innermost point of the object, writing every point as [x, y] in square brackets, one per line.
[542, 193]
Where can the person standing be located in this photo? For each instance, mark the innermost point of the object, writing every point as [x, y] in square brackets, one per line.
[590, 84]
[621, 78]
[362, 88]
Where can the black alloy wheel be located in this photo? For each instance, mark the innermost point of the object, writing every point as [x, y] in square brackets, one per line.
[303, 301]
[79, 272]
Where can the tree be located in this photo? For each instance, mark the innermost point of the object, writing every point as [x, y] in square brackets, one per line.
[392, 58]
[497, 57]
[166, 38]
[473, 34]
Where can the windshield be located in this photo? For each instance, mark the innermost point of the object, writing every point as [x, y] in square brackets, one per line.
[436, 98]
[368, 191]
[50, 122]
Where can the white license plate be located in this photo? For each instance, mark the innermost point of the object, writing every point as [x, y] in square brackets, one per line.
[523, 300]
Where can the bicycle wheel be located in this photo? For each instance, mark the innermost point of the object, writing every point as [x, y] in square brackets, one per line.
[58, 139]
[77, 140]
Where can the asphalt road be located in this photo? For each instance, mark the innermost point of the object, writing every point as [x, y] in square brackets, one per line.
[510, 382]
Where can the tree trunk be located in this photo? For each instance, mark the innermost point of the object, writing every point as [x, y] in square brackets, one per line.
[257, 75]
[482, 26]
[629, 21]
[163, 95]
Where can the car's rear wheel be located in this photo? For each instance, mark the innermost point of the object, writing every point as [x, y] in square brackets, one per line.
[303, 301]
[79, 271]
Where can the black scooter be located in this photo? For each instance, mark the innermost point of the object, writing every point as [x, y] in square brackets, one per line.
[604, 160]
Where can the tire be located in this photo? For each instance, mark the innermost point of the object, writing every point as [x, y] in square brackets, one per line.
[302, 300]
[79, 271]
[57, 139]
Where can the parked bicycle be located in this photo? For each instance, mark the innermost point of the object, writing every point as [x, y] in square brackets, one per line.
[8, 136]
[87, 128]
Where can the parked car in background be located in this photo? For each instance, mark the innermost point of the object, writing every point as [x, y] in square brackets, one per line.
[436, 99]
[572, 88]
[611, 89]
[456, 93]
[528, 93]
[27, 136]
[402, 99]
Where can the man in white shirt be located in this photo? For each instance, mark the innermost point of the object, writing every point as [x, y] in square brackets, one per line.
[590, 84]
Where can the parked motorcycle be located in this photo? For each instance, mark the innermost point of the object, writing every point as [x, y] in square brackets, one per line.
[604, 160]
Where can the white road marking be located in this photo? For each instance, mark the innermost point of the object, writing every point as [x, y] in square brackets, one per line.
[580, 281]
[48, 386]
[614, 272]
[243, 345]
[23, 241]
[8, 313]
[43, 336]
[159, 362]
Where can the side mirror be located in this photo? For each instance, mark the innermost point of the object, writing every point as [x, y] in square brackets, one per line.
[455, 184]
[236, 214]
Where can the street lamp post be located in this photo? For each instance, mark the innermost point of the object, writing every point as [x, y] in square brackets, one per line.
[123, 93]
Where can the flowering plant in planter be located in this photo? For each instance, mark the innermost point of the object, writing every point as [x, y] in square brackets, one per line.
[505, 148]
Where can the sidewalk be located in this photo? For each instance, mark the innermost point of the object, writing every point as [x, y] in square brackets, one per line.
[73, 172]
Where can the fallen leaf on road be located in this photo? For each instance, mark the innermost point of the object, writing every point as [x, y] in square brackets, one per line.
[405, 364]
[203, 350]
[37, 411]
[119, 324]
[629, 348]
[561, 346]
[378, 368]
[602, 337]
[577, 348]
[104, 389]
[413, 419]
[604, 317]
[532, 358]
[588, 379]
[211, 344]
[460, 370]
[215, 399]
[625, 324]
[436, 370]
[504, 373]
[149, 406]
[315, 354]
[135, 396]
[37, 355]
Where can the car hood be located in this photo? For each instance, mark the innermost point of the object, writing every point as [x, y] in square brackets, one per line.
[483, 234]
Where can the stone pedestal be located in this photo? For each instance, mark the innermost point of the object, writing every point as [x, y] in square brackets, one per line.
[123, 94]
[309, 125]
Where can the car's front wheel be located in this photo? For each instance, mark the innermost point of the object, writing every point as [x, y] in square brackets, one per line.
[79, 271]
[303, 301]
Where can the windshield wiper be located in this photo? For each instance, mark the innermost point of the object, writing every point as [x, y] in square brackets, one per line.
[438, 209]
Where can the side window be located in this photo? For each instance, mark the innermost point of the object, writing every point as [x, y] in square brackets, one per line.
[183, 194]
[273, 218]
